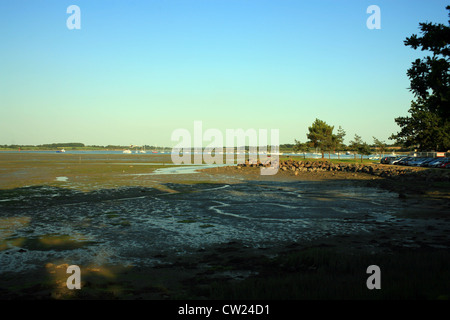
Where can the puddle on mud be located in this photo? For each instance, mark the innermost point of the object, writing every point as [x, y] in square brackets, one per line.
[134, 225]
[180, 169]
[142, 163]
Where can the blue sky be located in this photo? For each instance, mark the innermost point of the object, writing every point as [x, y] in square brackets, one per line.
[138, 70]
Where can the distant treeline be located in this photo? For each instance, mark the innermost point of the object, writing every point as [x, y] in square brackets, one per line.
[81, 146]
[290, 147]
[72, 146]
[62, 145]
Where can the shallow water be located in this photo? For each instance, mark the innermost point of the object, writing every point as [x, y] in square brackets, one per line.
[182, 169]
[134, 226]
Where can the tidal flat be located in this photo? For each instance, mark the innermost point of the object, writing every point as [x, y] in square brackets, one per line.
[140, 229]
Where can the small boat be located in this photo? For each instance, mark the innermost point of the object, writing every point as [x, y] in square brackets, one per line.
[127, 151]
[61, 151]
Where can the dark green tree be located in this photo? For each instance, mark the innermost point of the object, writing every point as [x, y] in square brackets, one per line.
[321, 136]
[355, 143]
[380, 145]
[428, 126]
[364, 150]
[338, 140]
[360, 147]
[301, 147]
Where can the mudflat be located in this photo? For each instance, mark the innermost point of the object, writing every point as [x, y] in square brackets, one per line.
[141, 228]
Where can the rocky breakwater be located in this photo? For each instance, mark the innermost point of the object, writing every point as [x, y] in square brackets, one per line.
[378, 170]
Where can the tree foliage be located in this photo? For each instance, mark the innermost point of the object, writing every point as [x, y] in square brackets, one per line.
[63, 145]
[338, 140]
[301, 147]
[320, 134]
[360, 147]
[428, 125]
[380, 145]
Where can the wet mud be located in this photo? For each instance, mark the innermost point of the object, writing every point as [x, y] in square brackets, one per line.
[168, 228]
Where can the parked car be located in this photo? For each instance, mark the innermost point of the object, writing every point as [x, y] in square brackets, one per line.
[386, 160]
[432, 162]
[413, 161]
[446, 165]
[427, 161]
[405, 161]
[418, 162]
[397, 159]
[438, 163]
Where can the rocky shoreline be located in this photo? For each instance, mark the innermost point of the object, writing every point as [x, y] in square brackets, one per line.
[378, 170]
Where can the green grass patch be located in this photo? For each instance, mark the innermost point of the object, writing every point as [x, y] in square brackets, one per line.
[112, 214]
[206, 226]
[187, 221]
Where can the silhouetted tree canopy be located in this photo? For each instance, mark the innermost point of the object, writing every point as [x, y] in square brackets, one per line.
[428, 125]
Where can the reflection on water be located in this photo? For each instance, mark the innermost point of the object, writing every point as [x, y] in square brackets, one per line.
[182, 169]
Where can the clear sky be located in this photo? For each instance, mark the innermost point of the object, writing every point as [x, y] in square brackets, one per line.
[138, 70]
